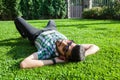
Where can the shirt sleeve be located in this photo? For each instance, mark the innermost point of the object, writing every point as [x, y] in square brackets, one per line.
[42, 54]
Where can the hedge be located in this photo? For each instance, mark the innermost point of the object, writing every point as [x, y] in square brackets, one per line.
[8, 9]
[35, 9]
[106, 12]
[32, 9]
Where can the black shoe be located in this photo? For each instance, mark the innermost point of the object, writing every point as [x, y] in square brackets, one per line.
[51, 25]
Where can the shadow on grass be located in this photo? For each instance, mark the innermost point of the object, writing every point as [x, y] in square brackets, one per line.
[20, 48]
[100, 28]
[74, 25]
[37, 21]
[83, 23]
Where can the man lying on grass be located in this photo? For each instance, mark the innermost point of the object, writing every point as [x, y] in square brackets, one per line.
[53, 47]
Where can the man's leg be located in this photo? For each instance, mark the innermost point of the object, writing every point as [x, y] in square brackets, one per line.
[25, 29]
[19, 28]
[50, 25]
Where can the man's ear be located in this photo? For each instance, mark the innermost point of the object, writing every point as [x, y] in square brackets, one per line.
[62, 57]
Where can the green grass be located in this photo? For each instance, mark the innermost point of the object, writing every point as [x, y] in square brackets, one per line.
[105, 65]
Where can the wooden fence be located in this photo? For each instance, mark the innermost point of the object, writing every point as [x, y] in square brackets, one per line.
[74, 9]
[102, 3]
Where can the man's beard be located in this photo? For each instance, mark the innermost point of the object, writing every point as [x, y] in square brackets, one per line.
[57, 50]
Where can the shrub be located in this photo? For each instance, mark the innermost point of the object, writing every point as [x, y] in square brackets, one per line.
[60, 8]
[47, 9]
[116, 10]
[106, 12]
[1, 8]
[36, 9]
[54, 9]
[9, 9]
[25, 9]
[93, 13]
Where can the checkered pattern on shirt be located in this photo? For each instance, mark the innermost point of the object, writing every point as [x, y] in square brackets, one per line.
[45, 44]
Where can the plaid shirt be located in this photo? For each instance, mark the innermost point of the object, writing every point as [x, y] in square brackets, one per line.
[45, 44]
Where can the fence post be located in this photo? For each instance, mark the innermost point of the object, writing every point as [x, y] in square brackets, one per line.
[90, 4]
[68, 8]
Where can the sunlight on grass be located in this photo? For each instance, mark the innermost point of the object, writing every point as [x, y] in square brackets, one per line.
[105, 65]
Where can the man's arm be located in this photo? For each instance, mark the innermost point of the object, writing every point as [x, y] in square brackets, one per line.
[90, 49]
[32, 61]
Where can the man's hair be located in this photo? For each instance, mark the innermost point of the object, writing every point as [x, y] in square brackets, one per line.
[77, 54]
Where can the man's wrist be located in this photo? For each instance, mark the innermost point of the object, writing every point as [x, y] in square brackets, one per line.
[54, 61]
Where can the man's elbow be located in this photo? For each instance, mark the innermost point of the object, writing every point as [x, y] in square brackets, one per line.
[96, 47]
[23, 65]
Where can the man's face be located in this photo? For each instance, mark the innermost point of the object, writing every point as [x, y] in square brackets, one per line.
[65, 47]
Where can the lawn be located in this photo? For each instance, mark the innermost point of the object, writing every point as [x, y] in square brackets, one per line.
[105, 65]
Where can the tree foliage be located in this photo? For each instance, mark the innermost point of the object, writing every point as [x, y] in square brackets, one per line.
[8, 9]
[59, 8]
[1, 8]
[36, 9]
[32, 9]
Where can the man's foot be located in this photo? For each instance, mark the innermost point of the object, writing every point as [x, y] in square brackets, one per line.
[51, 23]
